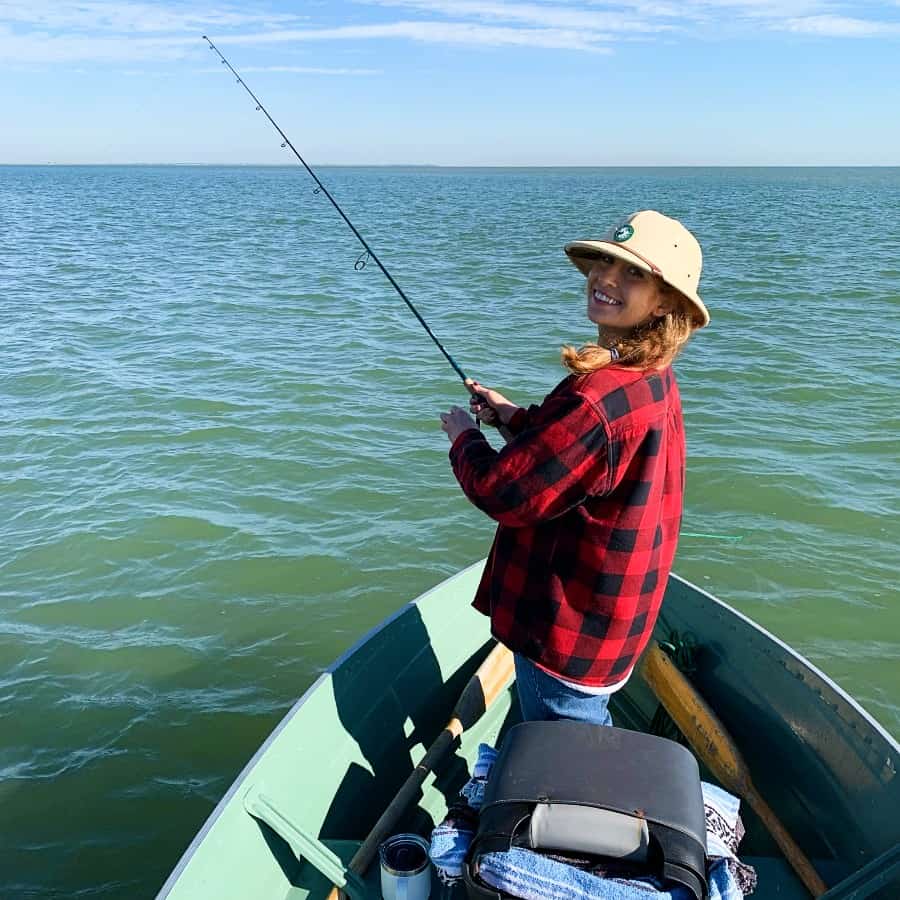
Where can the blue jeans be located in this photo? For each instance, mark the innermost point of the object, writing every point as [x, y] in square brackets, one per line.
[544, 698]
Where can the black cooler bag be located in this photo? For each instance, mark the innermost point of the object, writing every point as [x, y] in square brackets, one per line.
[596, 791]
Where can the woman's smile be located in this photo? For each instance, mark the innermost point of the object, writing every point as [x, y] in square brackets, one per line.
[599, 296]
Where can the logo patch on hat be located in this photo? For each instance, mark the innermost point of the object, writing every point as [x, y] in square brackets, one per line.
[622, 233]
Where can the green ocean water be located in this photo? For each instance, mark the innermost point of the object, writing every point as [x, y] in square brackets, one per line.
[222, 462]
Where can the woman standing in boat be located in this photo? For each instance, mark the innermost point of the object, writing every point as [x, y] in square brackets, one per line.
[588, 491]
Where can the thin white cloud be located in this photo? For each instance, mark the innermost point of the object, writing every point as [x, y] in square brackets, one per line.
[775, 13]
[533, 14]
[125, 17]
[841, 27]
[133, 32]
[773, 8]
[433, 33]
[99, 31]
[43, 47]
[302, 70]
[604, 20]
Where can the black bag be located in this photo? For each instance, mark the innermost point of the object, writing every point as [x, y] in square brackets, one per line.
[597, 791]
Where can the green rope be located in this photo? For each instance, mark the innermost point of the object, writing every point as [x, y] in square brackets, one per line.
[682, 649]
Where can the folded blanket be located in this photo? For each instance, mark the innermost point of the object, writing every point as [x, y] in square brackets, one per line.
[473, 790]
[533, 876]
[724, 831]
[451, 839]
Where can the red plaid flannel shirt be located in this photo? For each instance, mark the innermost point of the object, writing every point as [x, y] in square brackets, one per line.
[588, 495]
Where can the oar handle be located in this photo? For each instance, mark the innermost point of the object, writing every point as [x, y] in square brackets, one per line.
[714, 745]
[482, 689]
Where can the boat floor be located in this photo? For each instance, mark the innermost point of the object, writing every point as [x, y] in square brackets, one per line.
[777, 880]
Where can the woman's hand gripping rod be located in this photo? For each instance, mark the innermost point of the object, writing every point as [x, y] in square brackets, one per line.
[491, 407]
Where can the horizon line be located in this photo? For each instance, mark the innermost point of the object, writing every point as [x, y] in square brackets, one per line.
[411, 165]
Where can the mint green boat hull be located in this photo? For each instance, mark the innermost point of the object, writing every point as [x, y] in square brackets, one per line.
[338, 757]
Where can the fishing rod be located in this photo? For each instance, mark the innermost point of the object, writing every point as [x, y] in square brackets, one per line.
[360, 263]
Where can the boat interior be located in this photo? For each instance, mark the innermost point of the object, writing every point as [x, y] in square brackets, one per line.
[302, 806]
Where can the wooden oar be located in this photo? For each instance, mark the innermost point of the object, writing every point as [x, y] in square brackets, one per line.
[714, 745]
[492, 677]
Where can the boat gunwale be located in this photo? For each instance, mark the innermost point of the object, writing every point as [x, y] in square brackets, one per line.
[870, 720]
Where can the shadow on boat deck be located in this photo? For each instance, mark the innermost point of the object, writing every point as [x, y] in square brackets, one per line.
[412, 708]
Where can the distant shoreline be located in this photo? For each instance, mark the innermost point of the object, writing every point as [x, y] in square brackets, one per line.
[432, 166]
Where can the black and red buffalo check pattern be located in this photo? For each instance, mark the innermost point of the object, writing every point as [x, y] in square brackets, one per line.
[588, 494]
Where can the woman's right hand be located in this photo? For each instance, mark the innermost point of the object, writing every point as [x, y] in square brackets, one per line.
[489, 406]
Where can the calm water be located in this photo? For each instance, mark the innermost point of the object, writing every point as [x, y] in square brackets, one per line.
[221, 462]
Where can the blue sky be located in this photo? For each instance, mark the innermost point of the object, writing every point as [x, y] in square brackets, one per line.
[454, 82]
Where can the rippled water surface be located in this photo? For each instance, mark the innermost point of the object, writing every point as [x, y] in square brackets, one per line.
[221, 462]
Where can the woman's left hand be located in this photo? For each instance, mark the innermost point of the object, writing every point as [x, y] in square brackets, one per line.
[456, 422]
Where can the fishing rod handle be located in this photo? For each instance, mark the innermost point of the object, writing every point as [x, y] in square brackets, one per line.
[505, 432]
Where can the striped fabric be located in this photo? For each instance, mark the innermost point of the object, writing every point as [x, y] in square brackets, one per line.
[588, 497]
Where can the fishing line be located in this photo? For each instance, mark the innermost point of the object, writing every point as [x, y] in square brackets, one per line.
[369, 253]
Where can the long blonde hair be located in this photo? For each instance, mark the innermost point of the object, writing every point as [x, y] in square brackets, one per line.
[653, 345]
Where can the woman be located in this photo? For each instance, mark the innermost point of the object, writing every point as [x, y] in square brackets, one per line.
[588, 491]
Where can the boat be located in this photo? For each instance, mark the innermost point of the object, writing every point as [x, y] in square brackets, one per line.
[298, 812]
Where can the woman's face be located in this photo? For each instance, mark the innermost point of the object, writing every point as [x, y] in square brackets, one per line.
[621, 295]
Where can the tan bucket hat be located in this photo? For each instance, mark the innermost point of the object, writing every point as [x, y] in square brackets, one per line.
[654, 243]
